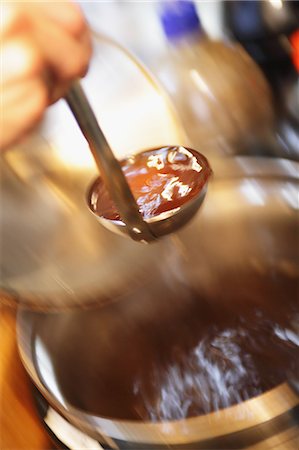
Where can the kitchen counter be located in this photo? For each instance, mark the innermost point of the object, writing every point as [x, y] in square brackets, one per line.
[20, 427]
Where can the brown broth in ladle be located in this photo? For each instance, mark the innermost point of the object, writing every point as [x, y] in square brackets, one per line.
[161, 180]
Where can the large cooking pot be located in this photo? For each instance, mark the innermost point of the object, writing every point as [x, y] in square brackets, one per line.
[202, 353]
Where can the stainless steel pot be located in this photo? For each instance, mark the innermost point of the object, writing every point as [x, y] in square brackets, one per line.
[201, 353]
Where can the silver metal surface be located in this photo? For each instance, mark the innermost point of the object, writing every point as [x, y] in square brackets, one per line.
[275, 437]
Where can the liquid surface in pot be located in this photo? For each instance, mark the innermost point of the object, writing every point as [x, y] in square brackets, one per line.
[183, 355]
[161, 180]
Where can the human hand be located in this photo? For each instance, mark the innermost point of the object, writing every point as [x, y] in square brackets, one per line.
[44, 46]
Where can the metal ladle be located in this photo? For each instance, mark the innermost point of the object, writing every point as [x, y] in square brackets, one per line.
[117, 185]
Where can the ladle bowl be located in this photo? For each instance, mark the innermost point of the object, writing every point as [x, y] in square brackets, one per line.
[164, 223]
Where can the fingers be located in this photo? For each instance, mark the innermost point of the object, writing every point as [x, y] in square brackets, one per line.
[13, 20]
[66, 15]
[24, 104]
[58, 29]
[44, 46]
[20, 59]
[24, 95]
[66, 57]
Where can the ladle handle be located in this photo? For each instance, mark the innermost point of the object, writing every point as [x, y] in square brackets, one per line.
[108, 165]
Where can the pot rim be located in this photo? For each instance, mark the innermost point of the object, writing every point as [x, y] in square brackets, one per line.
[250, 413]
